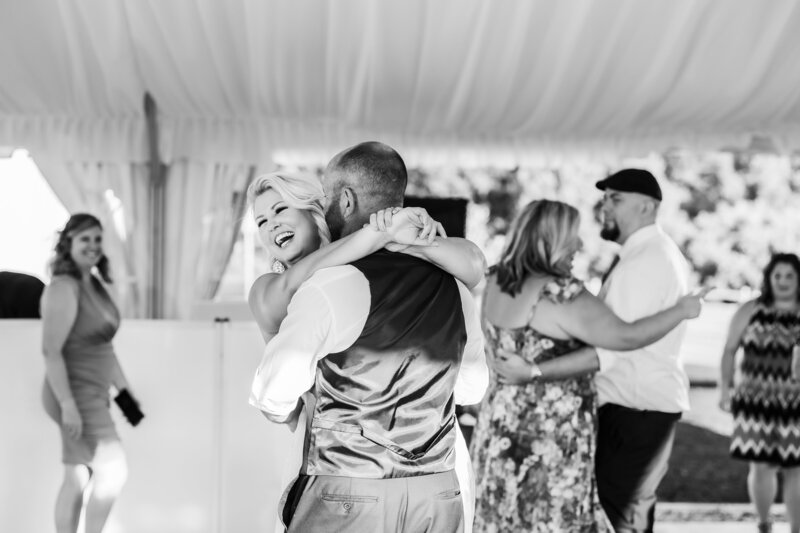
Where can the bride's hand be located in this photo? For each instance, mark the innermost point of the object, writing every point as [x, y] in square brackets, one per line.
[407, 226]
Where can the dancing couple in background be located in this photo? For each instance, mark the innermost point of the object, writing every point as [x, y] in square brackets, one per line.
[544, 459]
[372, 341]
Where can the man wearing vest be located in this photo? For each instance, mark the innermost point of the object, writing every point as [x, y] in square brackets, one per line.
[391, 344]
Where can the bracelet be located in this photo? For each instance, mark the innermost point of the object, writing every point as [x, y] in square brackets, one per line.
[536, 372]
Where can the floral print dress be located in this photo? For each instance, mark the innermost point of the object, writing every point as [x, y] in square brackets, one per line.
[533, 446]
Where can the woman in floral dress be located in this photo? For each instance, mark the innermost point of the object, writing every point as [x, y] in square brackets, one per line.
[533, 447]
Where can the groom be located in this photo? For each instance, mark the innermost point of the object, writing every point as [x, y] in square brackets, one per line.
[387, 346]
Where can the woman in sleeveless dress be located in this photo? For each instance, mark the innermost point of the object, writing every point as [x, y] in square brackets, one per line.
[79, 320]
[533, 446]
[766, 402]
[291, 223]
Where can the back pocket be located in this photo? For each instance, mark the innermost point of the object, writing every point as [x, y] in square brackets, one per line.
[349, 498]
[449, 494]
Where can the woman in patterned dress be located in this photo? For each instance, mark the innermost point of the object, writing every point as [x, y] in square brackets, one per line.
[766, 401]
[533, 447]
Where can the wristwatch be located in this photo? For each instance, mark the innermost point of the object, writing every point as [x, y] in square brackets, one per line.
[536, 372]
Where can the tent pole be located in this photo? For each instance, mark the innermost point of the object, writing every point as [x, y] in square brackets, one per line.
[155, 306]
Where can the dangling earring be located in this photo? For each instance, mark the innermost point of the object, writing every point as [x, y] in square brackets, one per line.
[278, 267]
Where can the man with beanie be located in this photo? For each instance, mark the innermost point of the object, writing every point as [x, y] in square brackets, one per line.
[642, 393]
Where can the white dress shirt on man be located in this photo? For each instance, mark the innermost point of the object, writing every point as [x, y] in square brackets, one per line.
[327, 315]
[651, 276]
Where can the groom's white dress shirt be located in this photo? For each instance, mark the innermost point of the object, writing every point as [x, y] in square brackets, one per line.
[327, 315]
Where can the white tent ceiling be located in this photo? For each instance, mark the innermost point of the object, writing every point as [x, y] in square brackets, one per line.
[239, 83]
[240, 79]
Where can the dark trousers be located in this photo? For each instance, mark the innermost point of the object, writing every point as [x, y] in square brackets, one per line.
[327, 504]
[633, 449]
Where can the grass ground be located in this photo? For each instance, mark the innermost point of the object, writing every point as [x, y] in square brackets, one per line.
[701, 469]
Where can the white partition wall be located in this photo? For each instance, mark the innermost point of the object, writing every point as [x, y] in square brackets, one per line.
[202, 460]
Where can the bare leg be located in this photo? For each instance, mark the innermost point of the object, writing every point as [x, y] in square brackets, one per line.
[762, 485]
[69, 501]
[791, 496]
[109, 475]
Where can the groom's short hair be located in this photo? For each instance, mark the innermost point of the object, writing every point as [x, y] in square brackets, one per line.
[376, 170]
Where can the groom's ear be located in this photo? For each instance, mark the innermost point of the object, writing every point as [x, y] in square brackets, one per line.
[347, 202]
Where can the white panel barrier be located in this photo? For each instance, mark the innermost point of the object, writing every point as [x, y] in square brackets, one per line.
[201, 461]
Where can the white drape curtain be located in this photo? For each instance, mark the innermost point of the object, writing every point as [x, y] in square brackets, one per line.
[453, 81]
[205, 205]
[117, 194]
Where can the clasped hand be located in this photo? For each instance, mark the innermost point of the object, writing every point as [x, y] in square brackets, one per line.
[407, 226]
[510, 367]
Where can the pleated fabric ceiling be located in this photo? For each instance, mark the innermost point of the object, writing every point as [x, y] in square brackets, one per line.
[241, 79]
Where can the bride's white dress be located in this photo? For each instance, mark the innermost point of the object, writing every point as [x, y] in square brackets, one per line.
[290, 466]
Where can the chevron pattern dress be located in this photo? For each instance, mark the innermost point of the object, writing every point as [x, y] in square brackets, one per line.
[766, 403]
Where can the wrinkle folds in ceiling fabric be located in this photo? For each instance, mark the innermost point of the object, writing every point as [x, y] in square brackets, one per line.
[237, 80]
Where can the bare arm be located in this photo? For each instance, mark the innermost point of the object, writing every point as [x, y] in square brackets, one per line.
[796, 360]
[570, 365]
[271, 293]
[460, 257]
[590, 320]
[118, 379]
[456, 256]
[59, 310]
[735, 331]
[514, 369]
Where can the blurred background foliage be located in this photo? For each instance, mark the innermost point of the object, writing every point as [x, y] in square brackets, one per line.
[727, 210]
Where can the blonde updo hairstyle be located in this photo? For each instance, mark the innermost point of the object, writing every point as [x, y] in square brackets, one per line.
[537, 243]
[300, 191]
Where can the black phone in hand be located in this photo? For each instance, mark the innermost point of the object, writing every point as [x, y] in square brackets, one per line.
[129, 406]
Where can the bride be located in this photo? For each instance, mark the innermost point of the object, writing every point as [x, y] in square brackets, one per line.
[291, 224]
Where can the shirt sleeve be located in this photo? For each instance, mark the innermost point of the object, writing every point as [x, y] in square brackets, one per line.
[606, 358]
[315, 325]
[473, 376]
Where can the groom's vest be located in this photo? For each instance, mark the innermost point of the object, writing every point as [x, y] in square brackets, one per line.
[385, 407]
